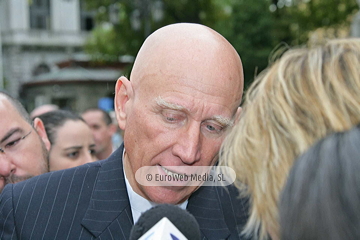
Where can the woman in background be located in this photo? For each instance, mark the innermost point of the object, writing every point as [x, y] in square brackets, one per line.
[321, 199]
[305, 95]
[72, 143]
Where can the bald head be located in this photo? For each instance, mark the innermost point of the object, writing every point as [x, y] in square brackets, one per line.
[43, 109]
[193, 47]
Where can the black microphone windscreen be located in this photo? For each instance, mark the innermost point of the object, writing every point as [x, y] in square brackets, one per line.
[182, 219]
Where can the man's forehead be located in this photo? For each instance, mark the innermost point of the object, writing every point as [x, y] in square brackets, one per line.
[9, 114]
[4, 100]
[94, 116]
[7, 107]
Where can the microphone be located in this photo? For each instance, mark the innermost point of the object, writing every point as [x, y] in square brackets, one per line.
[166, 222]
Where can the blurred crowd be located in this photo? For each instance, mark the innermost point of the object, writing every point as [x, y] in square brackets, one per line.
[68, 139]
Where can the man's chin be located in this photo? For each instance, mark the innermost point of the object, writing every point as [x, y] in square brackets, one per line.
[16, 179]
[170, 195]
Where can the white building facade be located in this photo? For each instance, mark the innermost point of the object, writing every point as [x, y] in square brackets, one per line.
[37, 34]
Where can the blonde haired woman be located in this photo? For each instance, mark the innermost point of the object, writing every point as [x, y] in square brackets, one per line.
[305, 95]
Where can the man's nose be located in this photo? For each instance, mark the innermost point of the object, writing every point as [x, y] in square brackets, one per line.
[188, 145]
[6, 166]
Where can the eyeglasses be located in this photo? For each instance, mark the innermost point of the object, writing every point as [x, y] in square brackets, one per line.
[13, 143]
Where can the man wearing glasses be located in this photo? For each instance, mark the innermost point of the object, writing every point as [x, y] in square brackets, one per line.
[23, 146]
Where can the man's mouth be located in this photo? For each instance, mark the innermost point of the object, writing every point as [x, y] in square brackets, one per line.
[171, 173]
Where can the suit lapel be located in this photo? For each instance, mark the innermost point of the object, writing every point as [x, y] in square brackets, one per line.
[109, 200]
[204, 204]
[110, 204]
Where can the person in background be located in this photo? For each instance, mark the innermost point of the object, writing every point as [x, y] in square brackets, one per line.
[184, 94]
[303, 96]
[103, 130]
[23, 145]
[72, 143]
[43, 109]
[321, 199]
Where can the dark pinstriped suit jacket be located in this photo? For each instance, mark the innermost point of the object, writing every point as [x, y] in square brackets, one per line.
[91, 202]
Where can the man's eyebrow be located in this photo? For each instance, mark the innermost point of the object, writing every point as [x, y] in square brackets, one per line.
[74, 148]
[226, 122]
[162, 103]
[10, 133]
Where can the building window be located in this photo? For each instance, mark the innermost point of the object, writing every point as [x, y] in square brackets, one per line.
[40, 14]
[87, 17]
[40, 69]
[64, 103]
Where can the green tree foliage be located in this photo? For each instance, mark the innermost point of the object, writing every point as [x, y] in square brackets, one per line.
[108, 40]
[255, 28]
[254, 32]
[306, 16]
[135, 21]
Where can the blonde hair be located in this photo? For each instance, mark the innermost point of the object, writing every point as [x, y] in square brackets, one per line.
[305, 95]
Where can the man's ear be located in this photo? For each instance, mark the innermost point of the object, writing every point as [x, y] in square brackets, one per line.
[40, 129]
[123, 92]
[237, 114]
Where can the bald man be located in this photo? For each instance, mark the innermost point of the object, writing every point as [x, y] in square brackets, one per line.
[184, 94]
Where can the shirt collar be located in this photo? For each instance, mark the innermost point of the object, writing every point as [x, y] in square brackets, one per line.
[138, 203]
